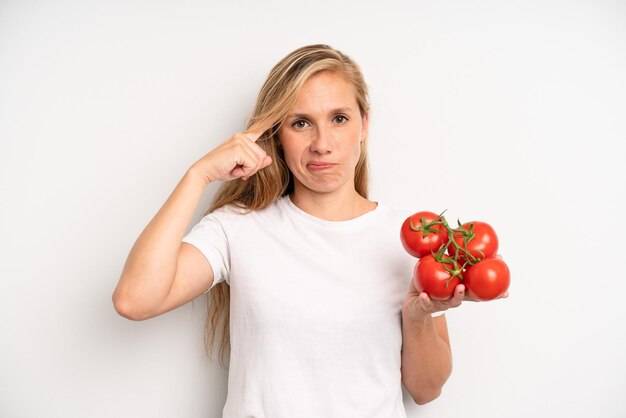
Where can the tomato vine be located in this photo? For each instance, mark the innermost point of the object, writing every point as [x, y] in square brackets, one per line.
[462, 257]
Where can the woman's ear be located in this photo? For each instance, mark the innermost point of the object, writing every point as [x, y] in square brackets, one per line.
[364, 126]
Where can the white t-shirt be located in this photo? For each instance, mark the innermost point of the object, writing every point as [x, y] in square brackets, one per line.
[315, 310]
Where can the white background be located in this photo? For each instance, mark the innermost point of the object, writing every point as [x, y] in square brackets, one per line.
[507, 112]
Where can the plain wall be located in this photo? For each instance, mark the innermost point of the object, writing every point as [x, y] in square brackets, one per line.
[507, 112]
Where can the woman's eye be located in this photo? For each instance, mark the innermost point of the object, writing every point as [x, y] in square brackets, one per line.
[341, 119]
[299, 124]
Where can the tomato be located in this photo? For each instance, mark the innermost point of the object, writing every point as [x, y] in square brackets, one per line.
[484, 243]
[420, 243]
[487, 280]
[431, 277]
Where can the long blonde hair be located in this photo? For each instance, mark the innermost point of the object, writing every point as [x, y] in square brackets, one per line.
[276, 98]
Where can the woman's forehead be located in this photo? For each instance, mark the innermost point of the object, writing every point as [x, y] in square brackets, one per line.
[325, 92]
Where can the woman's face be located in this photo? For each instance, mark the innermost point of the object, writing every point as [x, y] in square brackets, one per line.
[321, 136]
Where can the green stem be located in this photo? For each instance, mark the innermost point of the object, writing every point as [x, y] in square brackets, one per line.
[469, 257]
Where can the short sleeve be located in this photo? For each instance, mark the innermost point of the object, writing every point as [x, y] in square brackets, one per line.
[209, 237]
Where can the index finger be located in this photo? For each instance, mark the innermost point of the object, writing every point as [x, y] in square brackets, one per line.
[253, 135]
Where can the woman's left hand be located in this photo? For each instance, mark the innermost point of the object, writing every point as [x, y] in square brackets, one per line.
[417, 305]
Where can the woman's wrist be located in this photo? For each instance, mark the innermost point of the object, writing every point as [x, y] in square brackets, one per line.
[196, 176]
[415, 324]
[414, 314]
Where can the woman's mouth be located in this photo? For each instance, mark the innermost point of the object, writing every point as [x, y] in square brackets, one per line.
[319, 165]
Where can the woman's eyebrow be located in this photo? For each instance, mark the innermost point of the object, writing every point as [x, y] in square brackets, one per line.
[332, 111]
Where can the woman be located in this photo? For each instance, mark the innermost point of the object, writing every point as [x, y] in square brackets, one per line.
[320, 321]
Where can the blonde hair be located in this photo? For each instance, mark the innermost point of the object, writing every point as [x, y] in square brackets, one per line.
[276, 98]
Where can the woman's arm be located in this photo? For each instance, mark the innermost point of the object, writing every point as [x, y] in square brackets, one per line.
[151, 267]
[161, 272]
[426, 356]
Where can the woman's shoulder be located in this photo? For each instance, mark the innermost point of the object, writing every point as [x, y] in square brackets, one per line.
[234, 208]
[238, 209]
[393, 211]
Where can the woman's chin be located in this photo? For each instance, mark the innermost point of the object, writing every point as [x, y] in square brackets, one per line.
[323, 187]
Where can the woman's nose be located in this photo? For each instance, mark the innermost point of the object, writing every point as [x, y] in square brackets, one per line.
[321, 142]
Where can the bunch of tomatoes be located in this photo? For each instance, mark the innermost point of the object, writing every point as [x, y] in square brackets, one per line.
[448, 257]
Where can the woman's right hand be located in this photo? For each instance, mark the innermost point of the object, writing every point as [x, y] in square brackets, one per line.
[237, 157]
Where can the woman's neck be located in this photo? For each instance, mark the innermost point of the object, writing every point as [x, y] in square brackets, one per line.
[331, 206]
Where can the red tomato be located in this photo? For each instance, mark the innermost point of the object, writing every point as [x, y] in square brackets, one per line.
[483, 245]
[420, 243]
[431, 277]
[487, 280]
